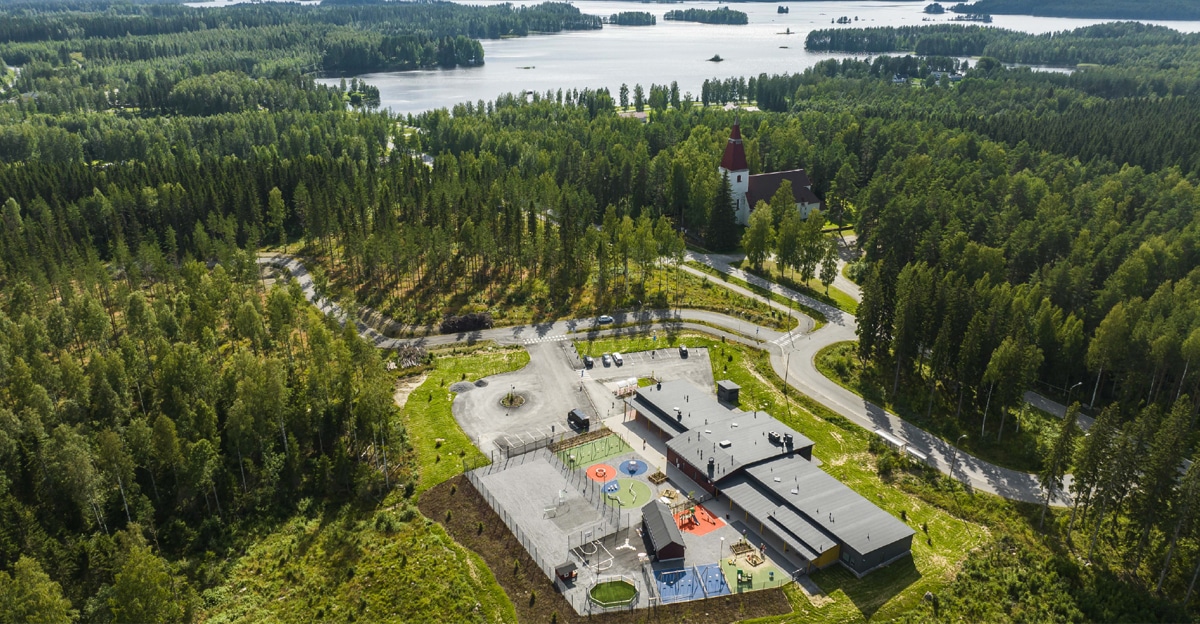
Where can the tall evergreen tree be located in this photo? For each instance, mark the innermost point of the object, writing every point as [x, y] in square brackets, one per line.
[721, 233]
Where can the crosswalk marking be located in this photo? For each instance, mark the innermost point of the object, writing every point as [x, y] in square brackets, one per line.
[547, 339]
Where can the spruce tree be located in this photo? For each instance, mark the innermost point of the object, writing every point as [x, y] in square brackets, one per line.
[721, 234]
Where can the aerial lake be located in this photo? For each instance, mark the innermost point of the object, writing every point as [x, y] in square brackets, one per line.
[669, 51]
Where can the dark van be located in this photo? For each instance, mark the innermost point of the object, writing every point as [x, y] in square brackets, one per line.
[577, 419]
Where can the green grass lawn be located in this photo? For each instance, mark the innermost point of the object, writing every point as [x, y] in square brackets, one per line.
[594, 452]
[812, 313]
[1025, 432]
[427, 414]
[613, 593]
[844, 449]
[630, 493]
[814, 288]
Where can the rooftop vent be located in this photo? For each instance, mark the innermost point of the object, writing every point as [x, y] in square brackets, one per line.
[725, 443]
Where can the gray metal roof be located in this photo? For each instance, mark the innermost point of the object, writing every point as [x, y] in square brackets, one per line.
[727, 384]
[736, 442]
[698, 408]
[828, 504]
[800, 534]
[660, 523]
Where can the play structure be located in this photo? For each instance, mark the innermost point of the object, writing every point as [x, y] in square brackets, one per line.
[697, 520]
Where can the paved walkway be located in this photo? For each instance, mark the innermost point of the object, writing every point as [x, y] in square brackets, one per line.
[792, 357]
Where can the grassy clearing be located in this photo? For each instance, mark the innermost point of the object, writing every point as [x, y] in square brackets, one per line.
[350, 564]
[614, 593]
[814, 288]
[427, 414]
[845, 450]
[1025, 432]
[818, 318]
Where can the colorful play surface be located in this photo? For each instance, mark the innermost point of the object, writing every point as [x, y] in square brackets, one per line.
[601, 472]
[691, 583]
[626, 493]
[762, 576]
[701, 523]
[632, 467]
[595, 451]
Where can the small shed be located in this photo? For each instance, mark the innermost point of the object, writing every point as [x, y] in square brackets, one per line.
[727, 391]
[659, 525]
[567, 571]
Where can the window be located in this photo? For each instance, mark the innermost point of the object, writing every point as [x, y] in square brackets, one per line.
[739, 178]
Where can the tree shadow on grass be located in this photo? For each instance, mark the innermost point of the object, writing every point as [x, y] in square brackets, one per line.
[873, 590]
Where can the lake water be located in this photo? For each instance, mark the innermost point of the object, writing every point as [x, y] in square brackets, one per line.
[665, 52]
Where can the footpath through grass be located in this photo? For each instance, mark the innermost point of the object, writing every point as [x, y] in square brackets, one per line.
[818, 318]
[428, 417]
[1019, 446]
[845, 450]
[813, 288]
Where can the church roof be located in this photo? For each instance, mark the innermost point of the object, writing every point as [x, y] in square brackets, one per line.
[735, 153]
[764, 185]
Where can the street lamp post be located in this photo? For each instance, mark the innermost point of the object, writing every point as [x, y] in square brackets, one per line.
[1069, 392]
[957, 451]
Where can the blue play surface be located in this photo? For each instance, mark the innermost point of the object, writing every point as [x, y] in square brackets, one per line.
[632, 467]
[612, 487]
[682, 584]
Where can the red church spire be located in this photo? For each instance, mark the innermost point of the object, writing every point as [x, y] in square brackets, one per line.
[735, 154]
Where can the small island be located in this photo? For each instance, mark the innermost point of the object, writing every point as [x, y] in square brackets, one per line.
[632, 18]
[716, 58]
[723, 15]
[935, 9]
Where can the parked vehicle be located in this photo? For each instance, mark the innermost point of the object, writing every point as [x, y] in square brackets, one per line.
[577, 419]
[683, 351]
[588, 361]
[606, 360]
[618, 359]
[605, 319]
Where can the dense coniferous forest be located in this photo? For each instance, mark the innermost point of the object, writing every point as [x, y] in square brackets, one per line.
[723, 15]
[159, 403]
[633, 18]
[1105, 9]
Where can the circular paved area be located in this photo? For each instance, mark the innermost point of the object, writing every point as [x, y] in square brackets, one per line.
[602, 473]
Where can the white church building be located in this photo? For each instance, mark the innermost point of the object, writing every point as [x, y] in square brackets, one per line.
[748, 189]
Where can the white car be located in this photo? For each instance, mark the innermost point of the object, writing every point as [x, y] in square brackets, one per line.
[618, 359]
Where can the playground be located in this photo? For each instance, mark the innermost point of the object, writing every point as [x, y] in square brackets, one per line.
[697, 520]
[595, 451]
[691, 583]
[626, 493]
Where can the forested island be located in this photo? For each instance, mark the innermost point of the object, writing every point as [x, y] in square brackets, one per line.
[1104, 9]
[723, 15]
[184, 437]
[268, 38]
[633, 18]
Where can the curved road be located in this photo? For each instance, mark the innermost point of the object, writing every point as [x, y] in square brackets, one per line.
[792, 356]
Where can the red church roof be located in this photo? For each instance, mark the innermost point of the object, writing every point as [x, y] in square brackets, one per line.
[735, 155]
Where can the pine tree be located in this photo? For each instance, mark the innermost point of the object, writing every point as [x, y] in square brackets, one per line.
[721, 234]
[1054, 466]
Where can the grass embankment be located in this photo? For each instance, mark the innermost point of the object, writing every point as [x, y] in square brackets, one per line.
[385, 562]
[428, 418]
[844, 449]
[818, 318]
[1026, 432]
[813, 288]
[352, 564]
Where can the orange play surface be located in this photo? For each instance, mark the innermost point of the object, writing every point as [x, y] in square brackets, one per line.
[704, 522]
[602, 473]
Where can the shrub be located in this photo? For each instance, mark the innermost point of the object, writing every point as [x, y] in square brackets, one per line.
[466, 323]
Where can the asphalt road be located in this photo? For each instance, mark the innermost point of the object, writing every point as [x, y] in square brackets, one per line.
[792, 356]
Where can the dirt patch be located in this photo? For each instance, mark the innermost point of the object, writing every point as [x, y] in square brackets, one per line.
[474, 525]
[405, 387]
